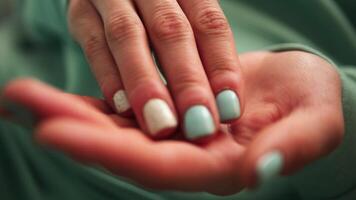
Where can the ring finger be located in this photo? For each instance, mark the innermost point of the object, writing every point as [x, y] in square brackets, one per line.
[175, 45]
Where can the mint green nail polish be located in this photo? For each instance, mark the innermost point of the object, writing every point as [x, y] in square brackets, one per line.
[269, 166]
[198, 122]
[229, 105]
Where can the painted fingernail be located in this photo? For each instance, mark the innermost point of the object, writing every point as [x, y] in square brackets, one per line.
[121, 102]
[229, 105]
[198, 122]
[269, 166]
[158, 116]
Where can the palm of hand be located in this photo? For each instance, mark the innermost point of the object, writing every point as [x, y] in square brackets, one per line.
[289, 100]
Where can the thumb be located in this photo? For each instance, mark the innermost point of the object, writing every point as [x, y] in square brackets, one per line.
[291, 143]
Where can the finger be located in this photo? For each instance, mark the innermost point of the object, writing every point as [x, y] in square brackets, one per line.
[103, 107]
[175, 46]
[99, 104]
[88, 29]
[218, 53]
[128, 153]
[147, 93]
[23, 116]
[290, 144]
[48, 102]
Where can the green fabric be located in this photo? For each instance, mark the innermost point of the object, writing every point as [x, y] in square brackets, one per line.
[36, 43]
[43, 19]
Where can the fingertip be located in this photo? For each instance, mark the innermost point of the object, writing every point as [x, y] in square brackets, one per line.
[269, 166]
[52, 126]
[45, 132]
[159, 118]
[68, 134]
[154, 109]
[261, 169]
[229, 106]
[198, 112]
[121, 103]
[116, 95]
[199, 123]
[228, 90]
[80, 140]
[15, 86]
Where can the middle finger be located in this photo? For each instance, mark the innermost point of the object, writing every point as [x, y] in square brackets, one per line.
[175, 45]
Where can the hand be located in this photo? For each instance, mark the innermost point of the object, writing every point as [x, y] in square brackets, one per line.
[195, 48]
[293, 116]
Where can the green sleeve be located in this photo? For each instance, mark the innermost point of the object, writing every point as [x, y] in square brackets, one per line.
[332, 177]
[44, 20]
[335, 175]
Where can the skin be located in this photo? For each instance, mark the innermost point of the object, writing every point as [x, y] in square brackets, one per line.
[191, 39]
[293, 100]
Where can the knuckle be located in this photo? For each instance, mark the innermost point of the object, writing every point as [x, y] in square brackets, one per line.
[93, 46]
[122, 27]
[79, 16]
[168, 25]
[136, 74]
[211, 21]
[141, 77]
[222, 68]
[75, 9]
[184, 82]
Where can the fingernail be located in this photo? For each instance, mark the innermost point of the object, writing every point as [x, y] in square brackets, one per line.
[229, 105]
[269, 166]
[198, 122]
[158, 116]
[121, 102]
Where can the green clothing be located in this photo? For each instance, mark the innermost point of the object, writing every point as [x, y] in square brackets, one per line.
[36, 43]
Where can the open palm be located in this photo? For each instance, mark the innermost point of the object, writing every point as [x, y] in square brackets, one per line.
[293, 107]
